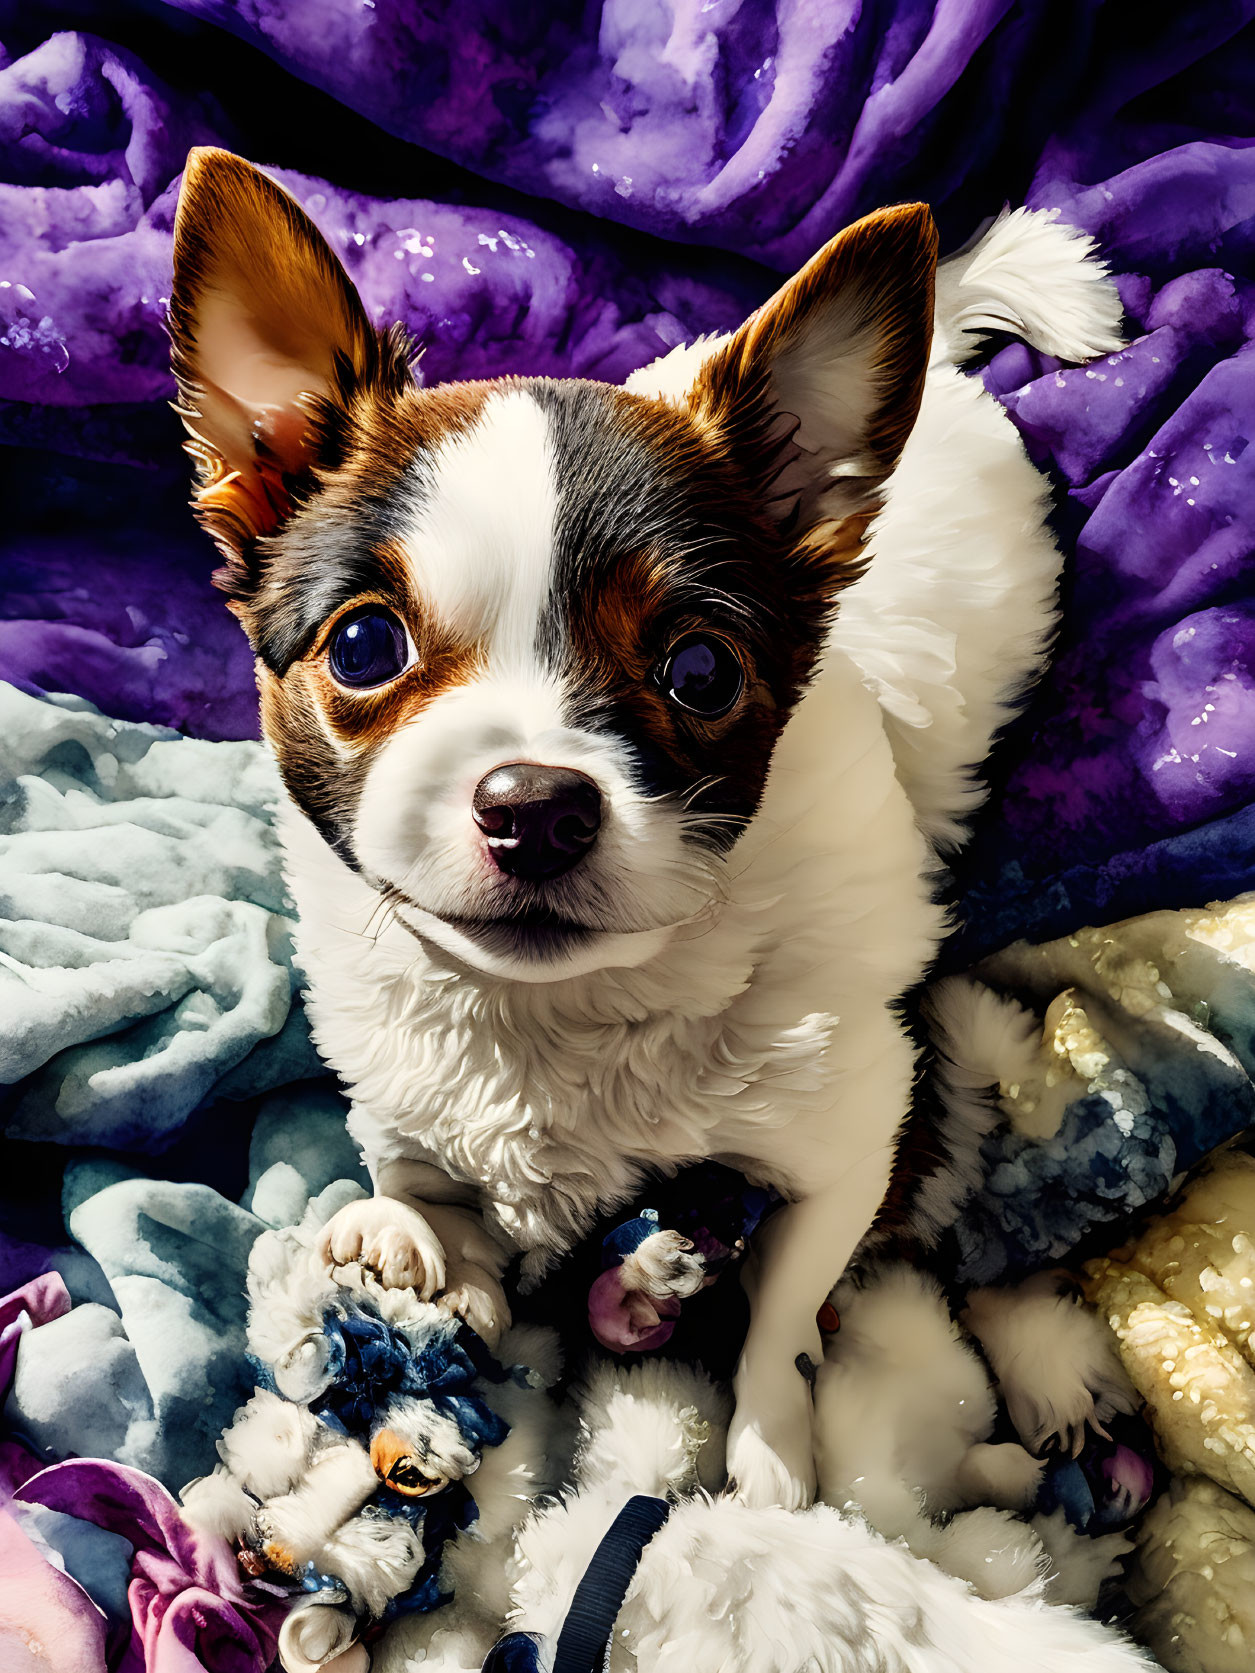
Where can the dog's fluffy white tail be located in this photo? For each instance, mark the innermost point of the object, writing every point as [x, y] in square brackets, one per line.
[1031, 276]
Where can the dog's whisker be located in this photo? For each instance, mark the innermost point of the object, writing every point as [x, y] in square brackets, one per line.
[526, 1034]
[379, 910]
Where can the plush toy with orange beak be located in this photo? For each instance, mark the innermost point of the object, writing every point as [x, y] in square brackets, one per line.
[382, 1429]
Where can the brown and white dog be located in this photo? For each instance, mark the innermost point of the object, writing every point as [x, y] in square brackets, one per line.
[610, 834]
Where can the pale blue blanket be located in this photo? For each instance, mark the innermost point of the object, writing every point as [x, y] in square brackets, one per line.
[152, 1041]
[145, 944]
[146, 984]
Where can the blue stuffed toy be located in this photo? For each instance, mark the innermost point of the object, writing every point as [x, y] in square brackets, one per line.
[356, 1465]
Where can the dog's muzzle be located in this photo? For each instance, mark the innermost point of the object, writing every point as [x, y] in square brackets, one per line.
[539, 821]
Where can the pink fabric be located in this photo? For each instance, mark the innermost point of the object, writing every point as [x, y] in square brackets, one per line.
[17, 1465]
[47, 1621]
[35, 1303]
[626, 1321]
[191, 1609]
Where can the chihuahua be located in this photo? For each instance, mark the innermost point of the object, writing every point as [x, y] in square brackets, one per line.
[622, 731]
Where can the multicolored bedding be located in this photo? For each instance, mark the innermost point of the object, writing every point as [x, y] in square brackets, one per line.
[561, 189]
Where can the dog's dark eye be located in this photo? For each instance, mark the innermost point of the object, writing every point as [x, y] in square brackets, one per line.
[369, 649]
[702, 675]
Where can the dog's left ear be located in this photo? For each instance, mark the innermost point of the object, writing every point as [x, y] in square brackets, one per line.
[817, 392]
[268, 334]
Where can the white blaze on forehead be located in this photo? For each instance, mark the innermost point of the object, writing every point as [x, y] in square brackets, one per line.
[480, 548]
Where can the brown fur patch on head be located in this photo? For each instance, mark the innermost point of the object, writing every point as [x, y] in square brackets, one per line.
[344, 538]
[324, 735]
[269, 342]
[663, 534]
[340, 552]
[764, 481]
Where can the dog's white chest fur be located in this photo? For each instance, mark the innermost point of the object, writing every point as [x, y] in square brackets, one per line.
[763, 1030]
[636, 845]
[552, 1098]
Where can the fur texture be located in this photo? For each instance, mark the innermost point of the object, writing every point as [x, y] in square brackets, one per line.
[724, 1588]
[904, 1408]
[1054, 1359]
[903, 1411]
[718, 976]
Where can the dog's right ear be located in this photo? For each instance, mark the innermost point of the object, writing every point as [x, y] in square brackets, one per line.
[269, 340]
[815, 396]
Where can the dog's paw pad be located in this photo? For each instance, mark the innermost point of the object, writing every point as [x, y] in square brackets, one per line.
[388, 1240]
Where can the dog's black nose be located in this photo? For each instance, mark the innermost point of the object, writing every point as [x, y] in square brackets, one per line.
[539, 821]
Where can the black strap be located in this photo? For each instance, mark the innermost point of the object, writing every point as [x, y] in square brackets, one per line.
[600, 1593]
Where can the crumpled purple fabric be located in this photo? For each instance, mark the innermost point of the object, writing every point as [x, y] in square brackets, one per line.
[85, 210]
[1129, 785]
[38, 1601]
[85, 256]
[754, 125]
[1121, 118]
[192, 1611]
[36, 1302]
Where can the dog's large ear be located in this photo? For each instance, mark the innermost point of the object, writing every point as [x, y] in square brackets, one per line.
[267, 330]
[817, 392]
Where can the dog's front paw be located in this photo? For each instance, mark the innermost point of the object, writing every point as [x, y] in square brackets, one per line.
[1057, 1425]
[772, 1465]
[1058, 1415]
[1079, 1563]
[1055, 1362]
[473, 1294]
[390, 1240]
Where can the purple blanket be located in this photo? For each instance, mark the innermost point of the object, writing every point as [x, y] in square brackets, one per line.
[756, 128]
[541, 186]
